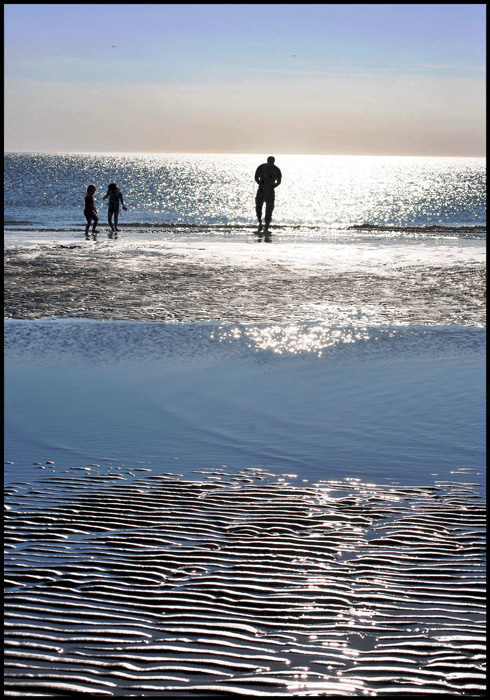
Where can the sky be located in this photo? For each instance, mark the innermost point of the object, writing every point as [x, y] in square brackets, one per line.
[246, 78]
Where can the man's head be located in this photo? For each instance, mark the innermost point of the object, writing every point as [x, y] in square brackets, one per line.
[271, 160]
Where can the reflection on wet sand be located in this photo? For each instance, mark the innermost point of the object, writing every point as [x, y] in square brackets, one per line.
[122, 583]
[264, 235]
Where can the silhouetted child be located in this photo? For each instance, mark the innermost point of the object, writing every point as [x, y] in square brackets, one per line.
[115, 196]
[90, 211]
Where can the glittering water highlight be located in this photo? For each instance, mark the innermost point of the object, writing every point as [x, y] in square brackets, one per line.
[214, 194]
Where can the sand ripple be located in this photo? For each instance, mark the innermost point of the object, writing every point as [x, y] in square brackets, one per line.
[234, 585]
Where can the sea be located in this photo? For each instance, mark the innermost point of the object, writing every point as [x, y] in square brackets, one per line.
[245, 464]
[320, 197]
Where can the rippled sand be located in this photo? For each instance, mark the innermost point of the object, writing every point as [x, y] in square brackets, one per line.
[121, 583]
[196, 281]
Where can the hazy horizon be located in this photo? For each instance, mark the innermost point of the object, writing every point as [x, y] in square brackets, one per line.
[401, 80]
[236, 153]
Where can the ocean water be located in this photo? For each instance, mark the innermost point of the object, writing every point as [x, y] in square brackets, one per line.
[320, 196]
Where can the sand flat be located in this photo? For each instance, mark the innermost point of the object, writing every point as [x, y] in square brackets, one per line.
[413, 282]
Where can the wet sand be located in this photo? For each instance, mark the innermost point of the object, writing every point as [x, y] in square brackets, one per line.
[138, 581]
[127, 583]
[247, 282]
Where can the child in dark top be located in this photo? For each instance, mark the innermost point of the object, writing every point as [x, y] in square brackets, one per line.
[115, 196]
[90, 211]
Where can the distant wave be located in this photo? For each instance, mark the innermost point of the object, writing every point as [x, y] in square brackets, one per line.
[231, 225]
[12, 222]
[432, 228]
[464, 231]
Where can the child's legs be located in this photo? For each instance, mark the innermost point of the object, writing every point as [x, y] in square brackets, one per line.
[96, 221]
[89, 219]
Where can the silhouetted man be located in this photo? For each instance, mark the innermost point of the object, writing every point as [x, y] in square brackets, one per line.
[268, 177]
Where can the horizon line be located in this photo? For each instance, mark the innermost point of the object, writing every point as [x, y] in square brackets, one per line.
[248, 153]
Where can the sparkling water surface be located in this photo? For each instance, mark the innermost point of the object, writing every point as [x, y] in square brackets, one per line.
[319, 195]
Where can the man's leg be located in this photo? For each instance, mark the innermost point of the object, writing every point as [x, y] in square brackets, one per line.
[269, 208]
[259, 202]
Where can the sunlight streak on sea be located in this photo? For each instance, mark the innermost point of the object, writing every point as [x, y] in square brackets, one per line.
[207, 193]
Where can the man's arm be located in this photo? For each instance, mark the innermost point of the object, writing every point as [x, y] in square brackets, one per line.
[258, 173]
[278, 177]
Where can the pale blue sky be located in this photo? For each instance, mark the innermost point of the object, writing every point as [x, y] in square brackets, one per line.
[353, 79]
